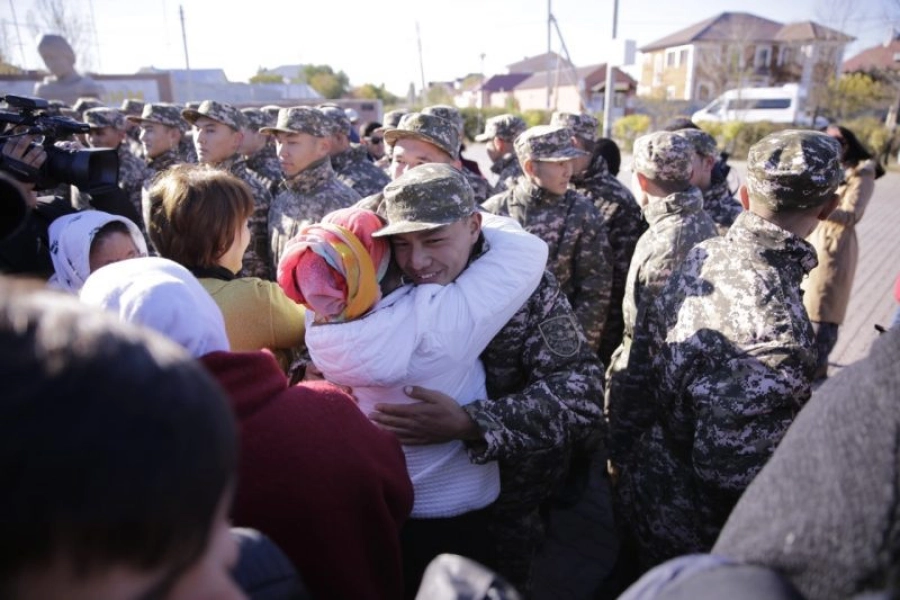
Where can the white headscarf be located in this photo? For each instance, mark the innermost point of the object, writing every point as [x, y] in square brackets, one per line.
[162, 295]
[70, 246]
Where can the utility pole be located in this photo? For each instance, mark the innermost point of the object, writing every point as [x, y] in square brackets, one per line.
[549, 59]
[609, 96]
[187, 62]
[421, 64]
[12, 9]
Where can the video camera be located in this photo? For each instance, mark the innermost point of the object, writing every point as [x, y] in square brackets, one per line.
[92, 170]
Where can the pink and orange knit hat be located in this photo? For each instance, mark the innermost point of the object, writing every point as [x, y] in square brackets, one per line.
[334, 267]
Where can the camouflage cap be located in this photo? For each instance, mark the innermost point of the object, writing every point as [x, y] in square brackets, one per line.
[162, 113]
[104, 117]
[581, 125]
[431, 129]
[132, 107]
[702, 143]
[506, 127]
[338, 116]
[547, 143]
[217, 111]
[392, 117]
[256, 119]
[272, 111]
[794, 169]
[86, 102]
[663, 156]
[302, 119]
[445, 111]
[426, 197]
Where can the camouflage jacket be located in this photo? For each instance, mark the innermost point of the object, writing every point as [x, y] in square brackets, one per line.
[580, 256]
[257, 262]
[624, 225]
[508, 170]
[187, 152]
[677, 223]
[132, 173]
[733, 357]
[265, 164]
[480, 186]
[353, 168]
[305, 199]
[164, 161]
[721, 205]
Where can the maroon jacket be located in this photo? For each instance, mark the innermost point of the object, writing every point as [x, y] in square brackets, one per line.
[319, 478]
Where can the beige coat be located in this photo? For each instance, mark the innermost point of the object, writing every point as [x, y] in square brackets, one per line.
[827, 290]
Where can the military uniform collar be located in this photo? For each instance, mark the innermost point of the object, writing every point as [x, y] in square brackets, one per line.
[718, 189]
[311, 177]
[597, 170]
[686, 202]
[503, 162]
[526, 193]
[778, 245]
[351, 155]
[164, 160]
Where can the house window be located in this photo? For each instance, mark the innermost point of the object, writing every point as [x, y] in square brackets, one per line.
[670, 58]
[786, 56]
[763, 57]
[683, 57]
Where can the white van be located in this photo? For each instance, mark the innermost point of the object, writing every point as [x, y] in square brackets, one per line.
[785, 104]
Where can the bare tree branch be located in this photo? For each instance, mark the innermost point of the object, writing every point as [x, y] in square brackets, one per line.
[56, 16]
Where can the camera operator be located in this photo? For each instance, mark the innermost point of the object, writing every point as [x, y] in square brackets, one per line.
[25, 217]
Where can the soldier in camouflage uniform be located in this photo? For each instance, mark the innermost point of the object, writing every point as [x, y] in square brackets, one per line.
[543, 384]
[258, 149]
[621, 216]
[350, 161]
[310, 189]
[108, 131]
[133, 108]
[391, 120]
[160, 125]
[674, 209]
[717, 199]
[580, 255]
[470, 169]
[417, 139]
[217, 135]
[732, 351]
[499, 134]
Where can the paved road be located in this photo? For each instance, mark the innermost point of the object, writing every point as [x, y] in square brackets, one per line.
[871, 301]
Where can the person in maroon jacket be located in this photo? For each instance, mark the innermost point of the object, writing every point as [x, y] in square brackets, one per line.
[315, 475]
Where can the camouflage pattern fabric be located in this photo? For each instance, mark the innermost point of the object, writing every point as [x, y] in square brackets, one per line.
[217, 111]
[663, 156]
[794, 169]
[548, 143]
[580, 256]
[544, 386]
[733, 356]
[104, 117]
[425, 197]
[480, 186]
[427, 128]
[677, 223]
[265, 164]
[302, 119]
[162, 113]
[721, 205]
[305, 199]
[702, 143]
[506, 127]
[581, 125]
[354, 169]
[338, 117]
[256, 119]
[624, 224]
[257, 262]
[187, 152]
[508, 171]
[133, 172]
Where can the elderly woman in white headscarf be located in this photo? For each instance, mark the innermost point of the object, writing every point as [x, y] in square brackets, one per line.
[83, 242]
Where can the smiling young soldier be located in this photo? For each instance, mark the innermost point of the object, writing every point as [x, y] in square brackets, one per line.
[543, 379]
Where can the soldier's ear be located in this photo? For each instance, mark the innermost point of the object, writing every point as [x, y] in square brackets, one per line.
[744, 197]
[528, 166]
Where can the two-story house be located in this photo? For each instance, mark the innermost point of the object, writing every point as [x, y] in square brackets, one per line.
[735, 49]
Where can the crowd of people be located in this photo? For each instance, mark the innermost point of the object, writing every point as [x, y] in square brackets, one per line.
[372, 357]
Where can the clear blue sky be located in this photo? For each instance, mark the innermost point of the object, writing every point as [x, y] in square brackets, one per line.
[376, 42]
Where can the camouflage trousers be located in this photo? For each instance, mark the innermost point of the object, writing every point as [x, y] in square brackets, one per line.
[826, 338]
